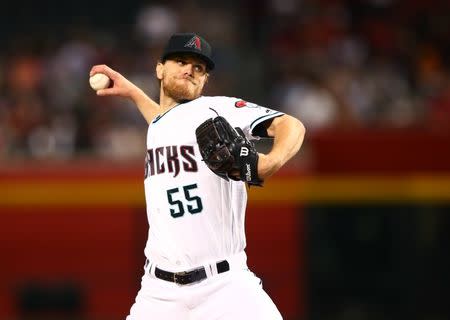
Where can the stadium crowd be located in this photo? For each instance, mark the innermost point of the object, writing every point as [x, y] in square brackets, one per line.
[340, 65]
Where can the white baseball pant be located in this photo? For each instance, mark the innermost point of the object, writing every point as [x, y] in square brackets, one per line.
[232, 295]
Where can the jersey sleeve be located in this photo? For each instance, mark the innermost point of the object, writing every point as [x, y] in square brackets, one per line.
[250, 117]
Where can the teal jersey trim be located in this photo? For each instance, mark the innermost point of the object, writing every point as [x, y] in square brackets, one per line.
[158, 117]
[264, 118]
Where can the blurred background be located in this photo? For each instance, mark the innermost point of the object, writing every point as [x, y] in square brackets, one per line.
[355, 227]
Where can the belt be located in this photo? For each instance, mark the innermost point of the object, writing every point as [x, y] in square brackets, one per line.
[187, 277]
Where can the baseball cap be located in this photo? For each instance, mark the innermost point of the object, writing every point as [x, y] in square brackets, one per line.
[189, 43]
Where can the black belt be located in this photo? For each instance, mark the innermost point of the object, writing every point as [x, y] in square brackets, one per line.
[187, 277]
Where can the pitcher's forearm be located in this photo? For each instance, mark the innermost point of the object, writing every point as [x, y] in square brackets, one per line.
[122, 87]
[147, 106]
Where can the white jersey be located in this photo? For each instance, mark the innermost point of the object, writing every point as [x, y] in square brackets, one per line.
[195, 216]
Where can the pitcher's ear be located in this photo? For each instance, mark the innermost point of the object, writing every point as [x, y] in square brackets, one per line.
[159, 70]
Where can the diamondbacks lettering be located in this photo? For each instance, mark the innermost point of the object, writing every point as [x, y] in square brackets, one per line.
[170, 159]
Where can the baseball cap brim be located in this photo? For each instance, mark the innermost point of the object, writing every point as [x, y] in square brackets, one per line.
[209, 63]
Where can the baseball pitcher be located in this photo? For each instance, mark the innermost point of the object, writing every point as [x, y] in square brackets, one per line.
[199, 160]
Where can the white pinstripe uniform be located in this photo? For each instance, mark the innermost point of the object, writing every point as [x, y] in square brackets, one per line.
[196, 220]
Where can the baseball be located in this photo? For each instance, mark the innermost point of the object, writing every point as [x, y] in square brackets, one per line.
[99, 81]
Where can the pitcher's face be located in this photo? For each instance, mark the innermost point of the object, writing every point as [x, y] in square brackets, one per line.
[182, 77]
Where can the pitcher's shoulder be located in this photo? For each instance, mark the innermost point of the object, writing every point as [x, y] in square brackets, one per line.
[219, 101]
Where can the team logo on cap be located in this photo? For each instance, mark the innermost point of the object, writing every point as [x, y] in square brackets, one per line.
[194, 43]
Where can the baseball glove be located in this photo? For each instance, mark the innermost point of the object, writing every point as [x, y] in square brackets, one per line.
[227, 152]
